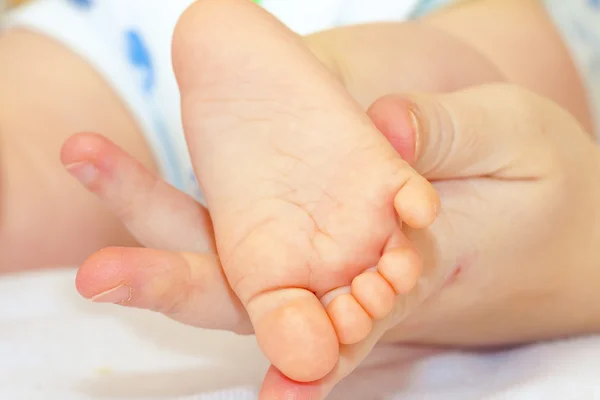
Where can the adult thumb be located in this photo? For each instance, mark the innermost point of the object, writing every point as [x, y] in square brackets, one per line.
[495, 130]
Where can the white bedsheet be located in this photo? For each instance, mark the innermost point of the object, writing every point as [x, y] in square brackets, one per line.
[54, 345]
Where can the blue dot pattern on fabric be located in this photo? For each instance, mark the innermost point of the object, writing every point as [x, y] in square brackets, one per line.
[594, 4]
[140, 57]
[82, 3]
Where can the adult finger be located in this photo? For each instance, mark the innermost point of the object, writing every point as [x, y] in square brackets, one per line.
[156, 214]
[187, 287]
[495, 130]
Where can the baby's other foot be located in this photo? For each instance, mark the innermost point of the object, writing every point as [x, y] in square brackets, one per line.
[305, 195]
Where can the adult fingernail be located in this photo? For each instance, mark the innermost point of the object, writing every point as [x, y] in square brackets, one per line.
[85, 172]
[416, 127]
[118, 295]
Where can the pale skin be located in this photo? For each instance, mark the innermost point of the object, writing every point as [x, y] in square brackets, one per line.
[533, 281]
[350, 334]
[356, 340]
[305, 194]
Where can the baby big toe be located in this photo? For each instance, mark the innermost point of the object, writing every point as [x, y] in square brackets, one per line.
[295, 333]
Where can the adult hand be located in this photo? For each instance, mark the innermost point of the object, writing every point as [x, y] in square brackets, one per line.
[518, 233]
[517, 176]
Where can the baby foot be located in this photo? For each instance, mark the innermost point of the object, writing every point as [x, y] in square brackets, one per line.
[305, 195]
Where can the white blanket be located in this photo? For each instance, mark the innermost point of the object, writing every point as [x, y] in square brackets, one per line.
[55, 345]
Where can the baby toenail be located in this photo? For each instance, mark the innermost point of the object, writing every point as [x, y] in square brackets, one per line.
[328, 297]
